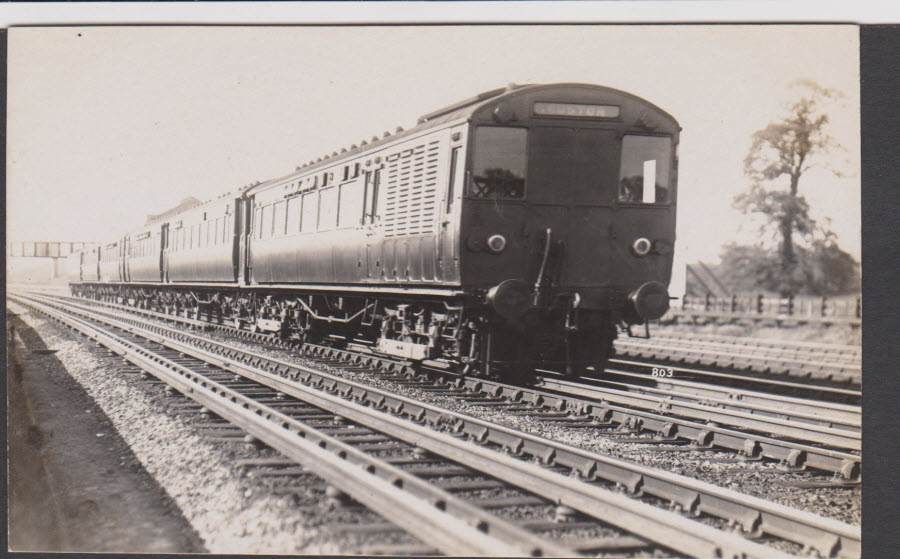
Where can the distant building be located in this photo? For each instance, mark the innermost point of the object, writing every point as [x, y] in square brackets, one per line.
[700, 280]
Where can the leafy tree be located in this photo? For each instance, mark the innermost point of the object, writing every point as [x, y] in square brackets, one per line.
[779, 156]
[822, 269]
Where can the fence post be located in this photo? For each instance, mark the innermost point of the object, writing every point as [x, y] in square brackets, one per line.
[708, 301]
[824, 305]
[790, 308]
[859, 307]
[734, 303]
[759, 304]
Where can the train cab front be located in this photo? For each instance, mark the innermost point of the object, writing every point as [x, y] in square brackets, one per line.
[569, 218]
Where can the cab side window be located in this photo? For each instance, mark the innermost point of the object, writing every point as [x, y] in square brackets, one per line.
[500, 162]
[644, 172]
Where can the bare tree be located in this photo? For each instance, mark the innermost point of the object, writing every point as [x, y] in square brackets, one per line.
[779, 156]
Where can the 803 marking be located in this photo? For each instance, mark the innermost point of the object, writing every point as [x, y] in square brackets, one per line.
[663, 372]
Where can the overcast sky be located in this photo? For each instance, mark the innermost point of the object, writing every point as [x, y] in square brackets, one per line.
[108, 124]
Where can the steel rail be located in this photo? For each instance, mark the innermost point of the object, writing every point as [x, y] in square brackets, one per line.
[843, 392]
[722, 412]
[754, 515]
[752, 342]
[697, 354]
[202, 324]
[704, 435]
[740, 346]
[435, 516]
[708, 435]
[742, 352]
[688, 536]
[802, 408]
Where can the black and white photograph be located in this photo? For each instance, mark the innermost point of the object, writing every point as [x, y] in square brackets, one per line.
[557, 290]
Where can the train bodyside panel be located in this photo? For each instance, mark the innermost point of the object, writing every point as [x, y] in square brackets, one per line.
[90, 265]
[142, 258]
[111, 260]
[198, 244]
[383, 218]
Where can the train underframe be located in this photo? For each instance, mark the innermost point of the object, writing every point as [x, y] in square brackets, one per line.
[452, 334]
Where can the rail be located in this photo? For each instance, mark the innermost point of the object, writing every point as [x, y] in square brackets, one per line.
[690, 537]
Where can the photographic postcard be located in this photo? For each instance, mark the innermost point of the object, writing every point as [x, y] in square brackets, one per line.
[697, 183]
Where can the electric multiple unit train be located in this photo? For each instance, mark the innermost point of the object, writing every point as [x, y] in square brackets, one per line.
[522, 227]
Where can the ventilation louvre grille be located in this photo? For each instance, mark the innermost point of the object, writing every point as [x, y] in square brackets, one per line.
[411, 191]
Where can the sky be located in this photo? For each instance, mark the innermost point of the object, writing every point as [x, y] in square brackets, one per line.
[108, 124]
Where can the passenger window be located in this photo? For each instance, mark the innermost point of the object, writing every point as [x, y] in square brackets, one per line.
[310, 211]
[454, 160]
[280, 218]
[350, 204]
[293, 214]
[370, 206]
[500, 161]
[328, 201]
[266, 223]
[257, 222]
[645, 169]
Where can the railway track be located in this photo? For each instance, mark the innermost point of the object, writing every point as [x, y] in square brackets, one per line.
[818, 435]
[619, 367]
[765, 347]
[586, 496]
[822, 363]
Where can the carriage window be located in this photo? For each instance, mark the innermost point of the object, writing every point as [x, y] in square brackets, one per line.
[370, 206]
[454, 161]
[266, 222]
[280, 218]
[293, 215]
[310, 211]
[644, 172]
[351, 204]
[328, 200]
[499, 162]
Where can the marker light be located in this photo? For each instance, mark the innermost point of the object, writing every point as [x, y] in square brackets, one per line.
[642, 246]
[496, 243]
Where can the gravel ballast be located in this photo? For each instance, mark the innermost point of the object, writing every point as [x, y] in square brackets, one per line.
[760, 479]
[230, 511]
[757, 478]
